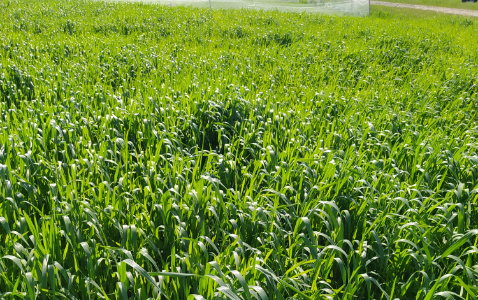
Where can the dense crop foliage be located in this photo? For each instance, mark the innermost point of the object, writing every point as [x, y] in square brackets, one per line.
[174, 153]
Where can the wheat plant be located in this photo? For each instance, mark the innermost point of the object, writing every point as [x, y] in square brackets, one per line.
[151, 152]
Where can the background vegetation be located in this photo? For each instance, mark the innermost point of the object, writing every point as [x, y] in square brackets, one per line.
[175, 153]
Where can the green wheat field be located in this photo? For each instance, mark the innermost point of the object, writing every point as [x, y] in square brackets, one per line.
[155, 152]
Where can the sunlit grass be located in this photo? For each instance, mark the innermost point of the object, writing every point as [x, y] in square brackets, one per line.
[175, 153]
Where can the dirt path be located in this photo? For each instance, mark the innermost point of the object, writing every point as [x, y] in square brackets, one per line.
[445, 10]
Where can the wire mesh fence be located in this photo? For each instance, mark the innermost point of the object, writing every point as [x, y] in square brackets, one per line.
[340, 7]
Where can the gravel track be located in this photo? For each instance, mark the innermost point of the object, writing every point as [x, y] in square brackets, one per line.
[445, 10]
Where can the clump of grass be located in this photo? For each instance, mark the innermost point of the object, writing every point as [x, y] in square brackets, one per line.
[178, 153]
